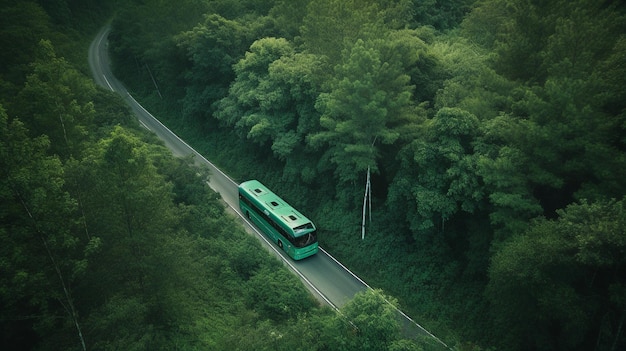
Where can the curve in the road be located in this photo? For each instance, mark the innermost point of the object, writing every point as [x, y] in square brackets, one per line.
[326, 278]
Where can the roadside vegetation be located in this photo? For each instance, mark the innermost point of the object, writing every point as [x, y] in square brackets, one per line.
[495, 131]
[108, 242]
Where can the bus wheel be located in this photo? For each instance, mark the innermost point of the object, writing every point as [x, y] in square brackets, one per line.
[248, 214]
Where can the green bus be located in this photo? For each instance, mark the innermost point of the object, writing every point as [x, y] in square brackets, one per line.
[283, 224]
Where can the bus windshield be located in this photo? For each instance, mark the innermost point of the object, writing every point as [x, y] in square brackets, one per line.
[306, 239]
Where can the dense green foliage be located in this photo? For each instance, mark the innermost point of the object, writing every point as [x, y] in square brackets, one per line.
[108, 242]
[496, 131]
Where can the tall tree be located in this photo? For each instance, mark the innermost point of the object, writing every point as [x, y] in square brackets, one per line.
[272, 100]
[133, 200]
[504, 168]
[562, 123]
[369, 104]
[42, 257]
[129, 209]
[439, 176]
[212, 48]
[57, 101]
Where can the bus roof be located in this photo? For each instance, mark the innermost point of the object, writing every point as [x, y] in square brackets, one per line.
[271, 202]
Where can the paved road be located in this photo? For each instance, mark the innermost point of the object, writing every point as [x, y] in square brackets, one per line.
[326, 278]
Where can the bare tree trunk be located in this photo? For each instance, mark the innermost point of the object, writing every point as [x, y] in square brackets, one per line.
[154, 81]
[619, 331]
[70, 304]
[71, 310]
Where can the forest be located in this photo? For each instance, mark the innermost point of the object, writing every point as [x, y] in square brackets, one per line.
[494, 130]
[108, 242]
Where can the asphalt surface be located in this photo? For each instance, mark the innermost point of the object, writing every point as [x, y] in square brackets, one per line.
[327, 279]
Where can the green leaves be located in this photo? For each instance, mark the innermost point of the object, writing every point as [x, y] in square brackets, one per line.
[441, 171]
[271, 101]
[56, 101]
[560, 273]
[370, 322]
[42, 258]
[212, 48]
[330, 24]
[23, 26]
[274, 295]
[472, 134]
[509, 190]
[599, 232]
[369, 102]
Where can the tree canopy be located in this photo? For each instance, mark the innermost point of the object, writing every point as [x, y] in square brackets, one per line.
[481, 122]
[494, 130]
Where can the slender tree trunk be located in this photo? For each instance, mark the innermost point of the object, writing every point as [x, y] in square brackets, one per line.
[82, 213]
[154, 82]
[67, 143]
[619, 331]
[71, 310]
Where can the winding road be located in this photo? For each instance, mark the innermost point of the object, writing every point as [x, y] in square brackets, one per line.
[327, 279]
